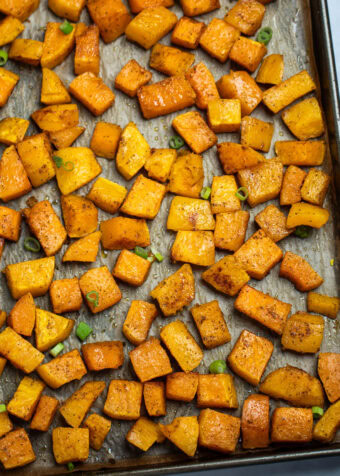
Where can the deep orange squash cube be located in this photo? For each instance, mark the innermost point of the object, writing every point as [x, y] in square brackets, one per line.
[102, 282]
[149, 360]
[218, 431]
[154, 398]
[138, 321]
[131, 268]
[216, 390]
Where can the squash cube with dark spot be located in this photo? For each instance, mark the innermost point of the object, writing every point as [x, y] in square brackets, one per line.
[10, 224]
[103, 355]
[255, 422]
[154, 398]
[149, 360]
[56, 46]
[131, 77]
[87, 53]
[193, 8]
[303, 213]
[144, 198]
[195, 131]
[16, 449]
[50, 329]
[133, 151]
[256, 133]
[188, 214]
[299, 272]
[181, 386]
[131, 268]
[124, 399]
[18, 8]
[226, 275]
[216, 390]
[203, 83]
[55, 118]
[102, 282]
[218, 431]
[246, 16]
[223, 194]
[5, 423]
[138, 321]
[210, 323]
[292, 425]
[70, 445]
[159, 164]
[183, 433]
[303, 333]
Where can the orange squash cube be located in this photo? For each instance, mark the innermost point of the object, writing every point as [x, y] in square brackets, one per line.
[271, 70]
[87, 54]
[131, 77]
[154, 398]
[223, 194]
[304, 119]
[10, 224]
[227, 276]
[218, 431]
[246, 16]
[247, 53]
[235, 157]
[181, 386]
[321, 304]
[303, 333]
[63, 369]
[124, 399]
[10, 28]
[159, 164]
[84, 250]
[19, 9]
[292, 425]
[256, 133]
[255, 422]
[101, 281]
[137, 6]
[21, 353]
[144, 433]
[291, 185]
[299, 272]
[218, 38]
[231, 229]
[326, 428]
[103, 355]
[138, 321]
[99, 428]
[149, 360]
[14, 181]
[329, 373]
[224, 115]
[203, 83]
[216, 390]
[273, 221]
[144, 198]
[315, 186]
[187, 33]
[188, 214]
[3, 363]
[16, 449]
[8, 81]
[183, 432]
[57, 46]
[195, 247]
[70, 444]
[44, 414]
[195, 131]
[26, 51]
[193, 8]
[169, 60]
[110, 17]
[80, 215]
[22, 316]
[122, 232]
[53, 90]
[66, 9]
[105, 139]
[25, 398]
[131, 268]
[306, 214]
[56, 117]
[303, 153]
[211, 325]
[133, 150]
[92, 92]
[107, 195]
[65, 295]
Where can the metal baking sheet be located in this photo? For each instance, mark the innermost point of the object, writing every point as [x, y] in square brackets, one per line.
[291, 23]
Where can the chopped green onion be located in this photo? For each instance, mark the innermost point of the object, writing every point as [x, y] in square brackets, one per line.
[242, 194]
[3, 57]
[3, 408]
[93, 300]
[66, 27]
[176, 142]
[151, 259]
[59, 162]
[302, 231]
[70, 466]
[205, 193]
[141, 252]
[157, 255]
[83, 330]
[57, 349]
[218, 367]
[32, 244]
[317, 412]
[331, 262]
[265, 35]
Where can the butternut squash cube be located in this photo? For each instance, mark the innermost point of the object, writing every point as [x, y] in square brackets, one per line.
[159, 164]
[247, 53]
[182, 345]
[246, 16]
[256, 133]
[303, 333]
[203, 83]
[80, 215]
[195, 131]
[218, 38]
[10, 28]
[44, 414]
[25, 398]
[16, 449]
[10, 224]
[188, 214]
[306, 214]
[5, 424]
[131, 268]
[144, 433]
[329, 423]
[181, 386]
[107, 195]
[101, 281]
[144, 198]
[8, 81]
[271, 70]
[3, 316]
[70, 444]
[92, 92]
[315, 186]
[99, 428]
[14, 181]
[65, 295]
[103, 355]
[13, 130]
[216, 390]
[124, 399]
[321, 304]
[138, 321]
[169, 60]
[149, 360]
[211, 325]
[193, 8]
[187, 33]
[183, 433]
[304, 119]
[224, 115]
[187, 175]
[110, 17]
[299, 272]
[131, 77]
[22, 316]
[255, 422]
[133, 151]
[105, 139]
[235, 157]
[304, 153]
[122, 232]
[154, 398]
[26, 51]
[176, 291]
[150, 25]
[57, 46]
[84, 250]
[50, 329]
[195, 247]
[292, 425]
[19, 351]
[226, 275]
[63, 369]
[291, 185]
[53, 90]
[231, 229]
[223, 194]
[218, 431]
[263, 308]
[87, 54]
[329, 373]
[273, 222]
[35, 154]
[67, 9]
[56, 117]
[137, 6]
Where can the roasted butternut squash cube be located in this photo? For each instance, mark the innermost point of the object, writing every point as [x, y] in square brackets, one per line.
[188, 214]
[293, 385]
[271, 70]
[16, 449]
[176, 291]
[193, 8]
[150, 25]
[14, 181]
[124, 399]
[13, 130]
[44, 414]
[291, 185]
[262, 181]
[304, 153]
[5, 424]
[19, 351]
[240, 85]
[63, 369]
[227, 276]
[159, 164]
[103, 355]
[187, 175]
[303, 333]
[107, 195]
[86, 168]
[299, 272]
[329, 423]
[70, 444]
[111, 18]
[26, 51]
[304, 119]
[255, 422]
[57, 46]
[230, 230]
[87, 54]
[133, 151]
[182, 345]
[84, 250]
[10, 224]
[137, 6]
[3, 316]
[321, 304]
[67, 9]
[218, 38]
[273, 221]
[246, 16]
[131, 268]
[263, 308]
[306, 214]
[32, 277]
[99, 428]
[154, 398]
[144, 433]
[80, 215]
[50, 329]
[224, 115]
[35, 154]
[187, 33]
[218, 431]
[329, 373]
[92, 92]
[247, 53]
[203, 83]
[53, 90]
[56, 117]
[216, 390]
[314, 188]
[280, 96]
[195, 247]
[10, 28]
[195, 131]
[138, 321]
[105, 139]
[256, 133]
[101, 281]
[122, 232]
[25, 398]
[167, 96]
[144, 198]
[250, 356]
[22, 316]
[211, 325]
[149, 360]
[169, 60]
[181, 386]
[236, 157]
[223, 194]
[8, 81]
[292, 425]
[183, 433]
[258, 255]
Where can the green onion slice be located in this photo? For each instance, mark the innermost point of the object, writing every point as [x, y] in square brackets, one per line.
[317, 412]
[205, 193]
[66, 27]
[93, 298]
[265, 35]
[32, 244]
[57, 349]
[83, 330]
[3, 57]
[302, 231]
[176, 142]
[70, 466]
[159, 257]
[218, 367]
[3, 408]
[242, 194]
[59, 162]
[141, 252]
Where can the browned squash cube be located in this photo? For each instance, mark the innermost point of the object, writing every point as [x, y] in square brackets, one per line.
[299, 272]
[231, 229]
[292, 425]
[315, 186]
[193, 8]
[138, 321]
[107, 195]
[5, 424]
[190, 214]
[111, 18]
[8, 81]
[224, 115]
[210, 323]
[16, 449]
[223, 194]
[263, 181]
[103, 355]
[216, 390]
[132, 152]
[321, 304]
[195, 247]
[326, 428]
[255, 422]
[99, 428]
[218, 431]
[14, 181]
[195, 131]
[131, 77]
[26, 51]
[183, 432]
[250, 356]
[169, 60]
[291, 185]
[273, 221]
[63, 369]
[256, 133]
[67, 9]
[137, 6]
[57, 46]
[124, 399]
[10, 224]
[246, 16]
[19, 9]
[87, 54]
[304, 119]
[131, 268]
[144, 198]
[144, 433]
[187, 33]
[258, 255]
[65, 295]
[25, 398]
[101, 281]
[159, 163]
[262, 307]
[235, 157]
[176, 291]
[271, 70]
[105, 139]
[181, 386]
[329, 373]
[70, 444]
[10, 28]
[226, 275]
[247, 53]
[122, 232]
[203, 83]
[149, 360]
[154, 398]
[218, 38]
[84, 250]
[22, 316]
[303, 333]
[92, 92]
[80, 215]
[304, 153]
[44, 414]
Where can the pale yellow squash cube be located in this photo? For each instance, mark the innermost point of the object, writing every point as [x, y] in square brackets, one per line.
[303, 153]
[159, 164]
[25, 398]
[304, 119]
[223, 194]
[256, 133]
[224, 115]
[50, 329]
[67, 9]
[133, 151]
[322, 304]
[107, 195]
[327, 426]
[195, 247]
